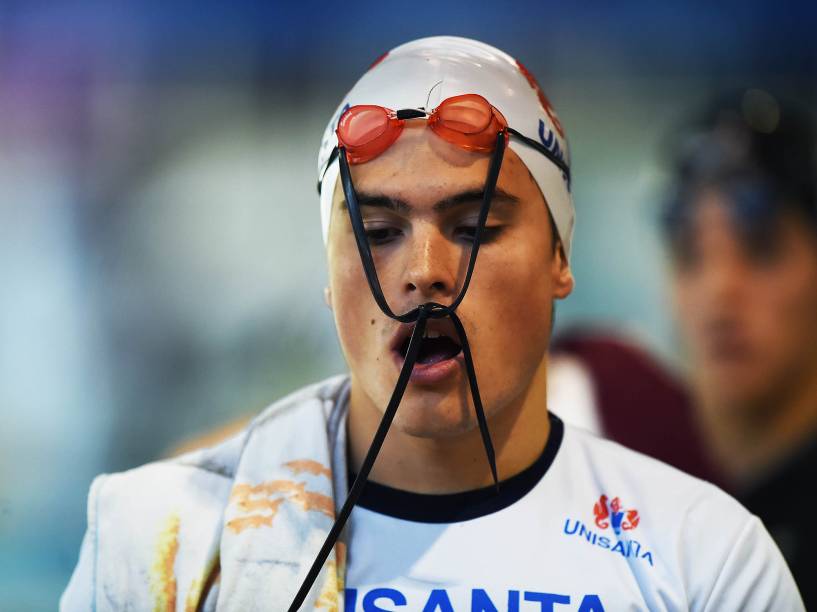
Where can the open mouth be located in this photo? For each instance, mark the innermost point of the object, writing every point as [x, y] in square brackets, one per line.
[437, 345]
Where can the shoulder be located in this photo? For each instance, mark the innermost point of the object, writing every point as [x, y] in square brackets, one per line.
[171, 511]
[699, 538]
[315, 400]
[674, 509]
[148, 527]
[616, 467]
[204, 476]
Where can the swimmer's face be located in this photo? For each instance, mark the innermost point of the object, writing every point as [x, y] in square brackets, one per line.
[420, 202]
[747, 309]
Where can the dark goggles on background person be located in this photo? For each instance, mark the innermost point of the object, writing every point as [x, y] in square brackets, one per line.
[468, 121]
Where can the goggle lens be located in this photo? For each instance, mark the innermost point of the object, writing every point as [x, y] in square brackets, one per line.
[366, 131]
[465, 114]
[468, 121]
[361, 127]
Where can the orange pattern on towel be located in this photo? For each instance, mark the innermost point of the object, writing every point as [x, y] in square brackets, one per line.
[163, 577]
[260, 503]
[309, 466]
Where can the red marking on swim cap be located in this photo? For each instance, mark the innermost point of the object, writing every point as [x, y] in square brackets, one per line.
[543, 100]
[378, 60]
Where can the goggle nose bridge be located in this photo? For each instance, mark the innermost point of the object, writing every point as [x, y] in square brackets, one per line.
[411, 113]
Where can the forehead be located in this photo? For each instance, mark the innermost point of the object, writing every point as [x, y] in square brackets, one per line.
[716, 223]
[422, 169]
[717, 212]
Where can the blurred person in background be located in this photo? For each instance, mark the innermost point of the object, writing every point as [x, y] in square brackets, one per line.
[742, 231]
[238, 526]
[607, 383]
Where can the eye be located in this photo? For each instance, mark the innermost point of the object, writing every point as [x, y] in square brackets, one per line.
[466, 233]
[382, 235]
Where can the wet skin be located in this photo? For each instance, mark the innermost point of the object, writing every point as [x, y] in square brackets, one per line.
[420, 202]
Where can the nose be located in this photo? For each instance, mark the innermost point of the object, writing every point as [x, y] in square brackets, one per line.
[432, 261]
[721, 281]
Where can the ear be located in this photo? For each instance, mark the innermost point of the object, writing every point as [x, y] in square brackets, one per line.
[327, 297]
[562, 276]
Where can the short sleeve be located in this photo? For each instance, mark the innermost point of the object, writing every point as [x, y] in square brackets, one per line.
[754, 576]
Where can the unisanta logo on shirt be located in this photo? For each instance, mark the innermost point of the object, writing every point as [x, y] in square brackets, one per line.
[610, 514]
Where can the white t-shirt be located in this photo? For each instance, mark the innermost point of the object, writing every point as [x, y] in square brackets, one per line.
[590, 526]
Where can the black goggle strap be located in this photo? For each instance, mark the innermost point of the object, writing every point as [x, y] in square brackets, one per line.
[554, 159]
[472, 381]
[487, 197]
[368, 462]
[420, 314]
[361, 239]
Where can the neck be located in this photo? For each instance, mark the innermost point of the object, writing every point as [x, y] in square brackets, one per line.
[453, 463]
[749, 441]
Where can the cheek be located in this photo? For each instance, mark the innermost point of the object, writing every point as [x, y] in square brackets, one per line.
[787, 312]
[348, 319]
[352, 304]
[512, 295]
[683, 294]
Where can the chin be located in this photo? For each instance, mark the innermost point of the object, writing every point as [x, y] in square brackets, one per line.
[434, 416]
[742, 392]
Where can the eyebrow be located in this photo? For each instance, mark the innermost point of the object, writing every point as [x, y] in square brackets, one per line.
[464, 198]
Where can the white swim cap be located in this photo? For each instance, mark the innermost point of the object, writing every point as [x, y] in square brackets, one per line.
[424, 72]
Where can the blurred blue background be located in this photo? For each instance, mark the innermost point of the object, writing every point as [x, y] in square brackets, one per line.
[161, 266]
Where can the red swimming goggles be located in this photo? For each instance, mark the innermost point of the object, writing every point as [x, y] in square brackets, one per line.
[468, 121]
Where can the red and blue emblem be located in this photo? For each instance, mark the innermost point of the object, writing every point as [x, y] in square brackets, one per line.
[611, 512]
